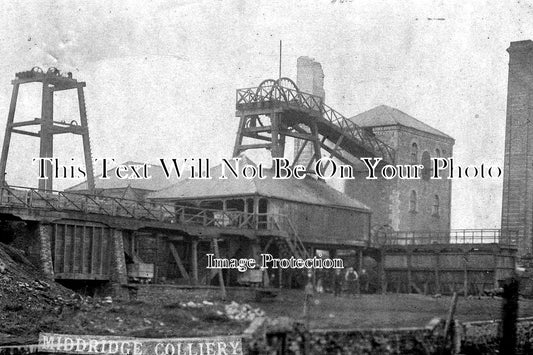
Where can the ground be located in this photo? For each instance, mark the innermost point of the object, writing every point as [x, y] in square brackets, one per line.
[390, 310]
[30, 304]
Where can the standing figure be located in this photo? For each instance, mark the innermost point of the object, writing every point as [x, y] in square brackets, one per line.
[337, 287]
[309, 290]
[353, 281]
[364, 280]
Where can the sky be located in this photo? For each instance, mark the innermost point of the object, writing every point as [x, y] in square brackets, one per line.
[161, 75]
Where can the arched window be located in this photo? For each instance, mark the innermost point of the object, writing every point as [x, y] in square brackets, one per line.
[444, 153]
[414, 153]
[426, 163]
[437, 153]
[412, 201]
[436, 206]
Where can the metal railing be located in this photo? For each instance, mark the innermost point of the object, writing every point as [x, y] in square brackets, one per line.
[455, 236]
[61, 201]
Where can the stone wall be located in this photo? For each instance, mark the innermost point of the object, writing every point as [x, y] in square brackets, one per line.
[118, 263]
[468, 338]
[390, 199]
[379, 341]
[45, 249]
[483, 337]
[423, 340]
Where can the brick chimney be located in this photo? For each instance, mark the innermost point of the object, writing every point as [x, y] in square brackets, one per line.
[517, 202]
[310, 76]
[309, 79]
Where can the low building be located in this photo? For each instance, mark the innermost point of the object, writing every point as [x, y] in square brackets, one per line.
[324, 220]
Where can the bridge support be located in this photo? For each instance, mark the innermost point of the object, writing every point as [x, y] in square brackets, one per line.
[194, 262]
[44, 235]
[118, 273]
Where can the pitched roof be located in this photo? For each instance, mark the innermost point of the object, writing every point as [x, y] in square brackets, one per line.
[306, 190]
[157, 181]
[384, 115]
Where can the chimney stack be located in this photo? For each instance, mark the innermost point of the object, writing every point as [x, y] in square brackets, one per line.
[309, 79]
[517, 202]
[310, 76]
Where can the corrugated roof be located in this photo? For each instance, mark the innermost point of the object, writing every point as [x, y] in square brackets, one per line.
[157, 181]
[384, 115]
[306, 190]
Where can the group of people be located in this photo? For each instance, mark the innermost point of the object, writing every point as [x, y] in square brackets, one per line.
[351, 279]
[348, 280]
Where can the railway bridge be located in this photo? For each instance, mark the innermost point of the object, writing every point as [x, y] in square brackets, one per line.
[86, 237]
[76, 236]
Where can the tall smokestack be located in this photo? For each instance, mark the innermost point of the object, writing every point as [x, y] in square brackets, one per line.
[310, 76]
[517, 204]
[309, 79]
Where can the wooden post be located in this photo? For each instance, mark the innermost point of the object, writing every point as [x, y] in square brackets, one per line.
[313, 275]
[74, 250]
[381, 272]
[7, 135]
[409, 278]
[256, 211]
[194, 261]
[156, 268]
[276, 150]
[495, 253]
[465, 280]
[509, 316]
[449, 319]
[239, 136]
[85, 139]
[220, 277]
[177, 258]
[437, 276]
[46, 148]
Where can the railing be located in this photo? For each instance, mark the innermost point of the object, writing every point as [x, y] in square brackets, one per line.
[458, 236]
[279, 95]
[370, 142]
[276, 94]
[295, 243]
[61, 201]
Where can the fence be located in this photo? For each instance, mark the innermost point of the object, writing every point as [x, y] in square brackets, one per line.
[35, 199]
[459, 236]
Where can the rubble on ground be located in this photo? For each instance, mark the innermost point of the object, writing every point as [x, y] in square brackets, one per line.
[27, 298]
[243, 312]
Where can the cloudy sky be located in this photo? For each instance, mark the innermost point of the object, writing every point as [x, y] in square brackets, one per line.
[161, 75]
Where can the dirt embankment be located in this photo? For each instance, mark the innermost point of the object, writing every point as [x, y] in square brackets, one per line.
[29, 304]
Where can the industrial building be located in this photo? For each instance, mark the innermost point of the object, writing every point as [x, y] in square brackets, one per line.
[125, 232]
